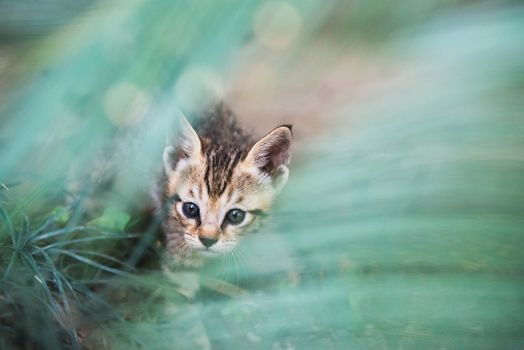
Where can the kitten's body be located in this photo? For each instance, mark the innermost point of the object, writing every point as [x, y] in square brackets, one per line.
[220, 173]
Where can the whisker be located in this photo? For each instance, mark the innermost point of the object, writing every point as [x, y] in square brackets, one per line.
[241, 254]
[225, 267]
[233, 254]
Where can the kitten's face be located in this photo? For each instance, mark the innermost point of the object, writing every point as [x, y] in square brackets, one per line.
[219, 192]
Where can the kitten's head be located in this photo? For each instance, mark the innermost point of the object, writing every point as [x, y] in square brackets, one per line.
[218, 192]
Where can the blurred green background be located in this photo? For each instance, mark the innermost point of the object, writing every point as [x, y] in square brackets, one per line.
[402, 224]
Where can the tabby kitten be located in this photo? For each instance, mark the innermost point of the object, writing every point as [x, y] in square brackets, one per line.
[218, 183]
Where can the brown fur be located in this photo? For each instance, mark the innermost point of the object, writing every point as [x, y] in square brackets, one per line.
[218, 167]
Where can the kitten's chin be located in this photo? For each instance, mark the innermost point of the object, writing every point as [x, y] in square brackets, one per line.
[207, 253]
[211, 252]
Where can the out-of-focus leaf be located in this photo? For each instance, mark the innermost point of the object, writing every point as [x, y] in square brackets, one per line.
[112, 218]
[60, 214]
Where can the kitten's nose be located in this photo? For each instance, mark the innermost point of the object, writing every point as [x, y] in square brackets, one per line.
[208, 242]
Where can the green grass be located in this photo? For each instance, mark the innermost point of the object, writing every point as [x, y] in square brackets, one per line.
[43, 268]
[400, 228]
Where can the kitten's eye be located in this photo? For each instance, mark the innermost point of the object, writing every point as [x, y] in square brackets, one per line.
[190, 210]
[235, 216]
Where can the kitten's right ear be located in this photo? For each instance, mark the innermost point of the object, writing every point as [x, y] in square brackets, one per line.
[271, 155]
[188, 147]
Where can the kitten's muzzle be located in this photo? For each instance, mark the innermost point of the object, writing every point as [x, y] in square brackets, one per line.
[207, 242]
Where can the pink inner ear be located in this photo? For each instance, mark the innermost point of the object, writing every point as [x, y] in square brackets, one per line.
[280, 154]
[273, 154]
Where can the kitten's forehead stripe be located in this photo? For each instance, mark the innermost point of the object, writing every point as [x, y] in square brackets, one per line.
[221, 162]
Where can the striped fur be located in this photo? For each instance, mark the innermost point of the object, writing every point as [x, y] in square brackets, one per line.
[218, 167]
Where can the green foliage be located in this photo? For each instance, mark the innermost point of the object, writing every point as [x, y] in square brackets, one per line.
[400, 228]
[42, 268]
[113, 218]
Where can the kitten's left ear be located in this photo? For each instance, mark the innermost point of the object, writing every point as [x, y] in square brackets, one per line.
[189, 147]
[271, 155]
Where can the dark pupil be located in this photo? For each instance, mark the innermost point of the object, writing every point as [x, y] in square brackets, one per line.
[235, 216]
[190, 210]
